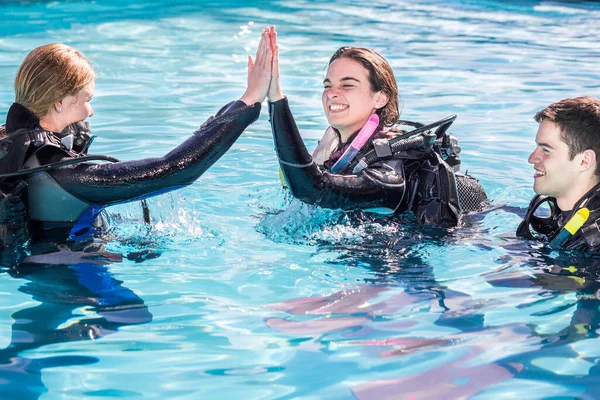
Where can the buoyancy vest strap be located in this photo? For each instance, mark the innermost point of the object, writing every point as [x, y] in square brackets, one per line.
[58, 164]
[442, 126]
[420, 139]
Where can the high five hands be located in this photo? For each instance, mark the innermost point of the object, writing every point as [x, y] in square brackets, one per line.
[274, 92]
[263, 72]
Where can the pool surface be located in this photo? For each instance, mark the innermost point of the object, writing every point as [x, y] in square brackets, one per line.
[237, 290]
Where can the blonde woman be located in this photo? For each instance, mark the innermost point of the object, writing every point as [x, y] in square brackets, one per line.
[48, 180]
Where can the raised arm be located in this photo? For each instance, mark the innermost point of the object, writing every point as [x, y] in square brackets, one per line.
[305, 179]
[104, 184]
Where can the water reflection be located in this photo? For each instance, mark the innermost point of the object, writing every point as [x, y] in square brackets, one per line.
[465, 343]
[82, 301]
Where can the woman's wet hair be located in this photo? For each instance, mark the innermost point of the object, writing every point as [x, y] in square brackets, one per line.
[381, 78]
[48, 74]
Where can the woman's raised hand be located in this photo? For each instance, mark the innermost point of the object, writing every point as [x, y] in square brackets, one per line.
[259, 71]
[274, 93]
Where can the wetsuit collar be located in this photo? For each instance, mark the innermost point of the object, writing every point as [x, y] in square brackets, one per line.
[19, 117]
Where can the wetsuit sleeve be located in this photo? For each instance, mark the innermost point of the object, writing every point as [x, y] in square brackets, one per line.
[308, 183]
[105, 184]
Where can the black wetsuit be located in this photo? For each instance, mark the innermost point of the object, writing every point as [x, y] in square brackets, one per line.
[546, 228]
[70, 198]
[425, 185]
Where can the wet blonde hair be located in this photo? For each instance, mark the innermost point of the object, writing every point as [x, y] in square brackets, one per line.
[50, 73]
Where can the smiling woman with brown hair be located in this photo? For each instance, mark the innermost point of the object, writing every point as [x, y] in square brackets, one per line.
[354, 167]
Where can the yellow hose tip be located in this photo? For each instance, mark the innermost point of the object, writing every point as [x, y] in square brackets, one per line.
[578, 220]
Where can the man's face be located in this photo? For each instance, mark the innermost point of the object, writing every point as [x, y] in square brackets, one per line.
[555, 175]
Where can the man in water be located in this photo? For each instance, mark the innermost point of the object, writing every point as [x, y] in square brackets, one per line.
[567, 173]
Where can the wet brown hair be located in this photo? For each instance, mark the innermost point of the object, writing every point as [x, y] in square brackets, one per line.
[48, 74]
[579, 123]
[381, 78]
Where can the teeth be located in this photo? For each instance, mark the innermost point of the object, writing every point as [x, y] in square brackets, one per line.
[539, 173]
[337, 107]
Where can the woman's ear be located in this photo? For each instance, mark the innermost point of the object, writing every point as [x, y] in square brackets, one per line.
[381, 99]
[58, 107]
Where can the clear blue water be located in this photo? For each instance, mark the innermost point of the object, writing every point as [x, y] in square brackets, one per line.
[245, 293]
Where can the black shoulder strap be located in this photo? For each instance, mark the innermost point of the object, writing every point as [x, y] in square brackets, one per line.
[20, 145]
[13, 151]
[438, 201]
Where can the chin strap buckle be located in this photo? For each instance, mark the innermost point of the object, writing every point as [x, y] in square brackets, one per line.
[67, 141]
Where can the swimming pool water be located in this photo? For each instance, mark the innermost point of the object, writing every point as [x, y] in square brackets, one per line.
[238, 290]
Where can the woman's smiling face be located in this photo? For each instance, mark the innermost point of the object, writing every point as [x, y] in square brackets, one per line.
[348, 99]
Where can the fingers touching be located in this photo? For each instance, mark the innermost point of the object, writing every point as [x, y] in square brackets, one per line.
[250, 63]
[275, 92]
[259, 71]
[263, 70]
